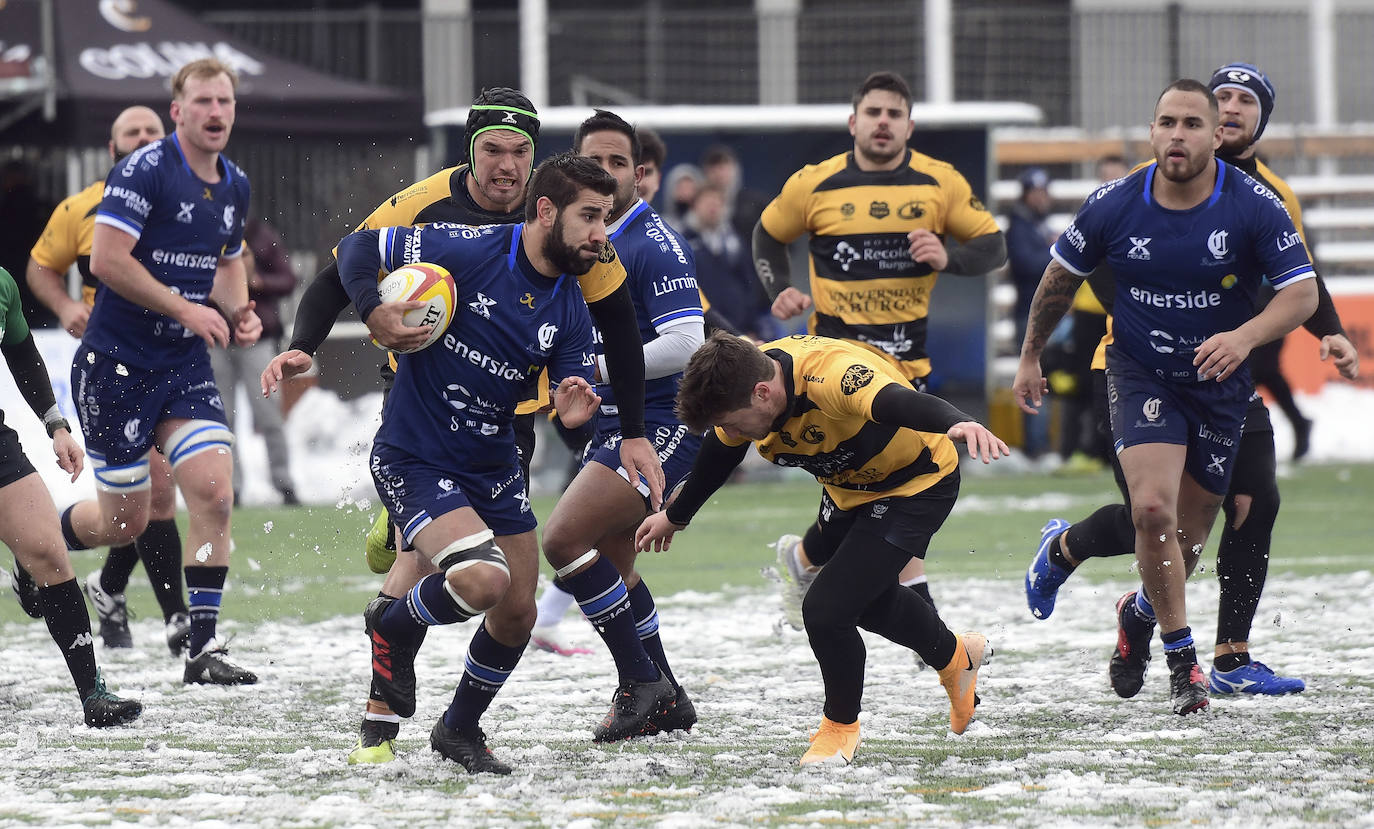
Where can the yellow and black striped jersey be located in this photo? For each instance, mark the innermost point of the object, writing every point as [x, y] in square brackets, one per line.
[443, 197]
[828, 427]
[1260, 172]
[66, 239]
[864, 284]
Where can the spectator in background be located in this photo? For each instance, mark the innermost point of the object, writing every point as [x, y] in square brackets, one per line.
[652, 153]
[725, 270]
[681, 186]
[1029, 237]
[743, 206]
[22, 215]
[1111, 168]
[270, 277]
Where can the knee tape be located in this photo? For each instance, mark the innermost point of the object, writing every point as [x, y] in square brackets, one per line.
[197, 436]
[130, 477]
[478, 548]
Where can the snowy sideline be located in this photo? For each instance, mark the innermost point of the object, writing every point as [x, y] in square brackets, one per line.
[1052, 745]
[329, 439]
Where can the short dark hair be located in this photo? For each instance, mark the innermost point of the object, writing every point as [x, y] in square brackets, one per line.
[651, 148]
[718, 154]
[561, 178]
[719, 379]
[1192, 85]
[604, 120]
[887, 81]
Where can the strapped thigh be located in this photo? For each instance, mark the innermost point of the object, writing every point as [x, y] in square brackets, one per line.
[194, 437]
[128, 477]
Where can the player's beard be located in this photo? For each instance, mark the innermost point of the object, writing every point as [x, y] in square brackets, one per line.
[879, 157]
[563, 256]
[1193, 167]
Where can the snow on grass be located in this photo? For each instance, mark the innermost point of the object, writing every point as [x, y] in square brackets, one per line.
[1053, 746]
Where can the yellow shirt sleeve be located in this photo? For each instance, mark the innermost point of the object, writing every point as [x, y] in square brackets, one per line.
[785, 216]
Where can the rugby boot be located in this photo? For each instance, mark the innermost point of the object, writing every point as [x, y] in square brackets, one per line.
[393, 660]
[103, 709]
[1131, 657]
[1187, 689]
[376, 743]
[679, 715]
[960, 678]
[467, 749]
[634, 705]
[212, 667]
[1044, 577]
[832, 744]
[1253, 678]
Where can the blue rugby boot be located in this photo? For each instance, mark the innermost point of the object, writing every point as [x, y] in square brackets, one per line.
[1044, 577]
[1254, 678]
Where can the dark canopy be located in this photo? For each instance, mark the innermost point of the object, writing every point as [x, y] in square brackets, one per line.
[107, 59]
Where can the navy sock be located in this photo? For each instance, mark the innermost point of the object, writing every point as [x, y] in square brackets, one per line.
[1138, 622]
[486, 668]
[426, 604]
[119, 563]
[68, 532]
[1178, 647]
[646, 623]
[205, 588]
[160, 548]
[605, 602]
[64, 609]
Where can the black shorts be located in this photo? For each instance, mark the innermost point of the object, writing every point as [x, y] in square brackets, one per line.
[14, 464]
[906, 522]
[524, 443]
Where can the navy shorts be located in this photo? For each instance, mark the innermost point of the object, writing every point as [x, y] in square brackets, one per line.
[1205, 417]
[415, 492]
[119, 405]
[675, 444]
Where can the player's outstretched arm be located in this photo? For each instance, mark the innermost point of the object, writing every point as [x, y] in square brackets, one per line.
[30, 374]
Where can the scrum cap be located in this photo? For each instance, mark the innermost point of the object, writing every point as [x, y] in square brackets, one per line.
[1249, 78]
[502, 108]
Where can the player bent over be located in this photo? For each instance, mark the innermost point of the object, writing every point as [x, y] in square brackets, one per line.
[28, 518]
[445, 460]
[885, 455]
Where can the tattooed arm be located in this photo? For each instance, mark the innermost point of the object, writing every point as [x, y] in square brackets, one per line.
[1052, 299]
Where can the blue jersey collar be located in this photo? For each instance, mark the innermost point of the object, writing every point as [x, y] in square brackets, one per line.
[618, 226]
[226, 177]
[1148, 195]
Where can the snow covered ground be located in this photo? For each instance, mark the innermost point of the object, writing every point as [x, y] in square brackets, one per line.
[1052, 745]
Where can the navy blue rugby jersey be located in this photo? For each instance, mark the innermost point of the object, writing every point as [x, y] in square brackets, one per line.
[662, 275]
[1183, 275]
[454, 402]
[183, 226]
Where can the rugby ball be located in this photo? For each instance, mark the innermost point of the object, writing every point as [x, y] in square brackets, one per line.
[427, 283]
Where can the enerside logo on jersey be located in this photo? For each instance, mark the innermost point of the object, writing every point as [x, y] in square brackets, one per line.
[1216, 243]
[1151, 409]
[184, 214]
[879, 210]
[1138, 248]
[607, 255]
[813, 435]
[482, 305]
[547, 332]
[856, 377]
[911, 210]
[845, 254]
[847, 210]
